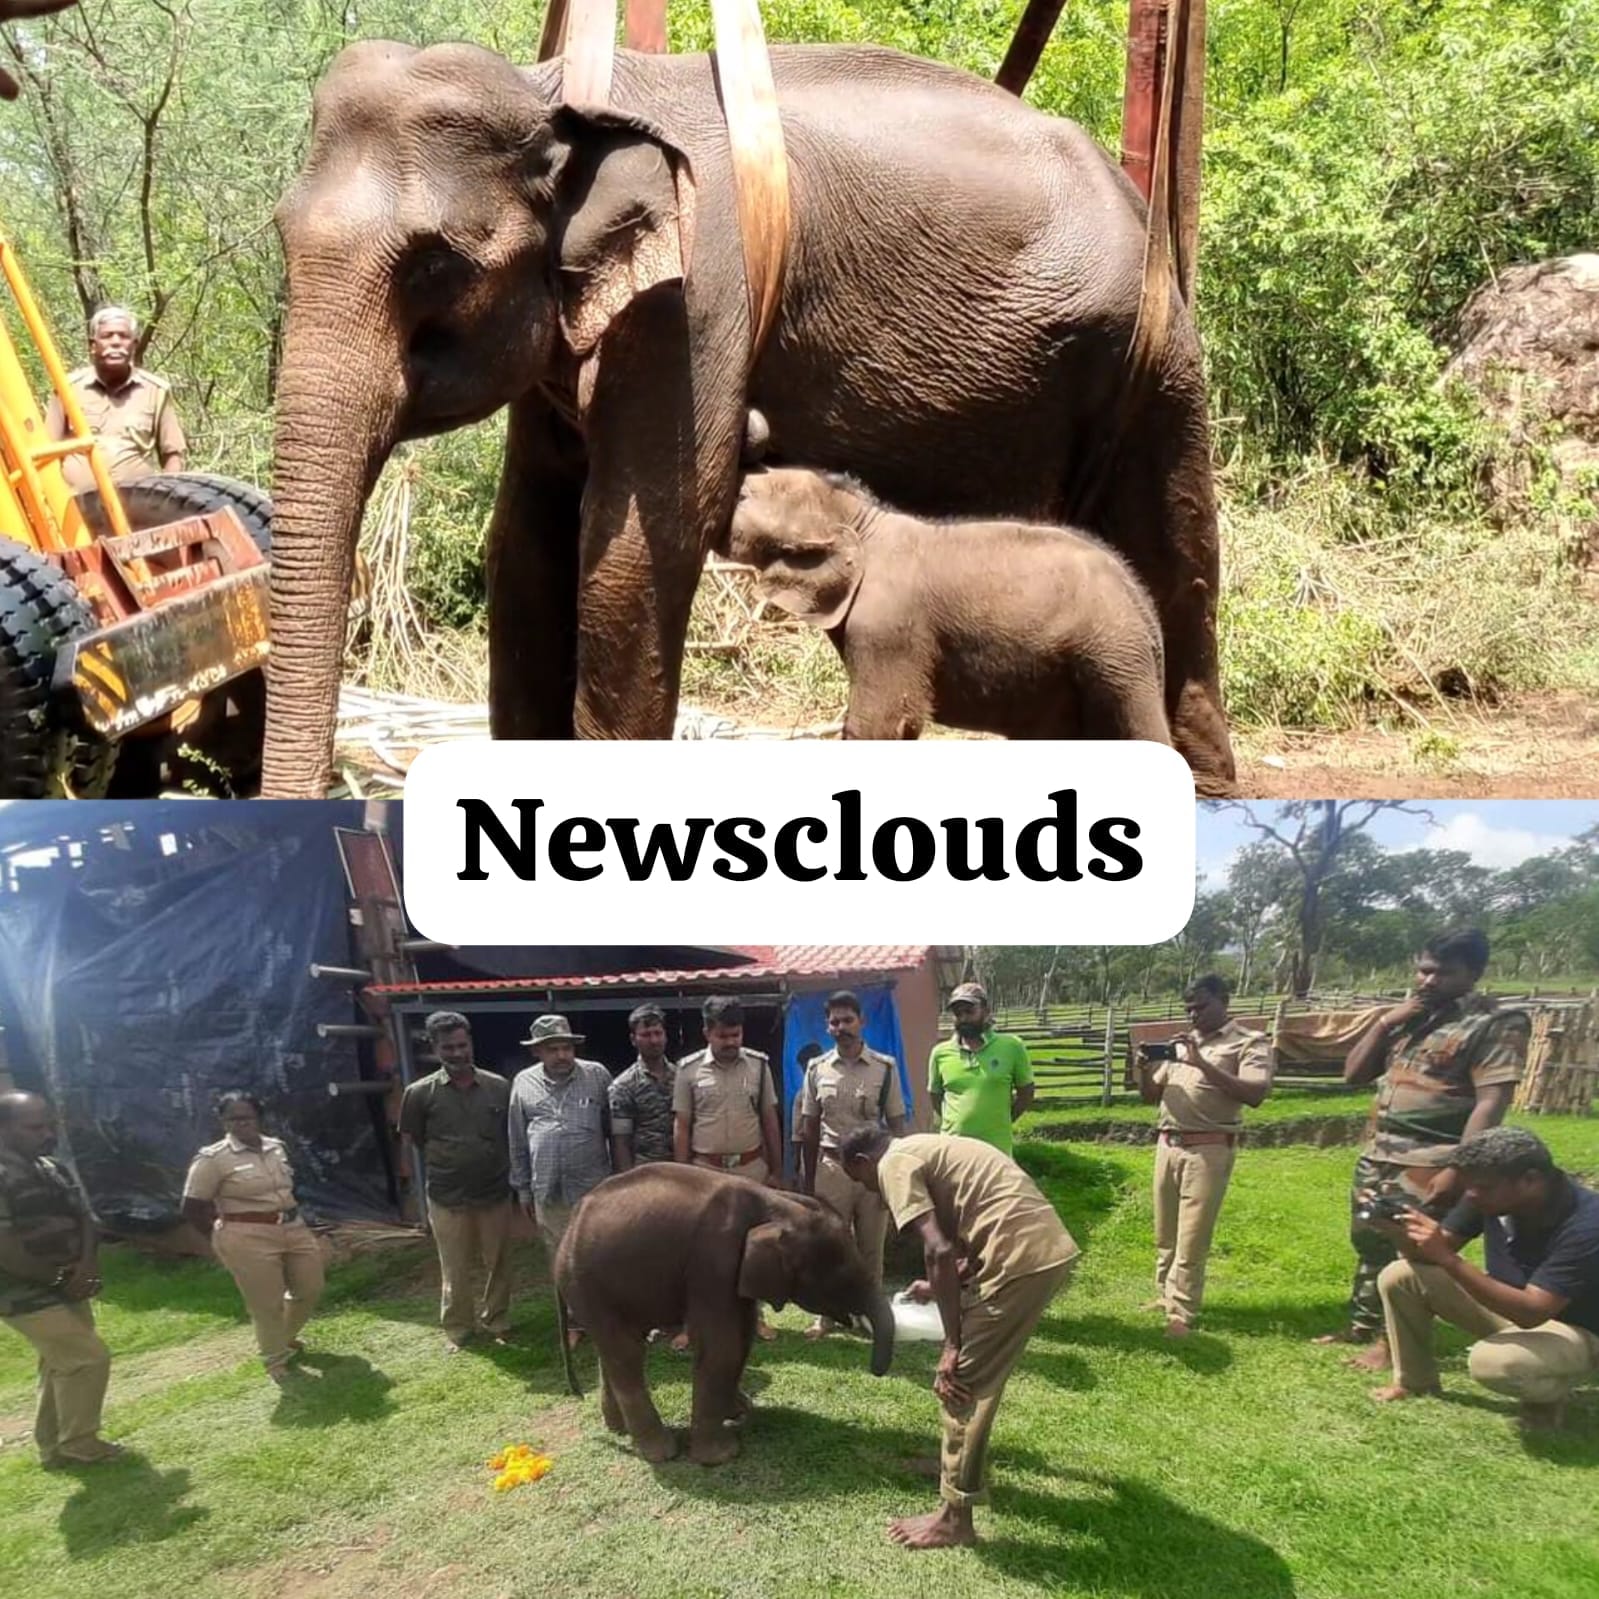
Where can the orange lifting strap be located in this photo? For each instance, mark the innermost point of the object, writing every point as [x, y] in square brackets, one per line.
[584, 32]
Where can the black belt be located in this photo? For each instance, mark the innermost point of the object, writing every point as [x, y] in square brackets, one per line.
[266, 1218]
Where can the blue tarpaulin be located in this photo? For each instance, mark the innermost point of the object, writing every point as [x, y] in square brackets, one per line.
[170, 963]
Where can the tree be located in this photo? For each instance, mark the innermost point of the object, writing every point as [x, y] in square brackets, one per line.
[1314, 834]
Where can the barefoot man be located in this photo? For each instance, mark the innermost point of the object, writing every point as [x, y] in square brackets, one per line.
[1534, 1310]
[966, 1199]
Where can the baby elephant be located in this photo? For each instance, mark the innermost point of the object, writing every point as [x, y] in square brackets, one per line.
[995, 627]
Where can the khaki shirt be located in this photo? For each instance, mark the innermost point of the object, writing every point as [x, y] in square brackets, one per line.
[981, 1197]
[238, 1180]
[1191, 1104]
[136, 425]
[846, 1095]
[724, 1103]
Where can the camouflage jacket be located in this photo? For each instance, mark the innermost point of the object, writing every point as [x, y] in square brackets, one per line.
[42, 1206]
[641, 1109]
[1435, 1067]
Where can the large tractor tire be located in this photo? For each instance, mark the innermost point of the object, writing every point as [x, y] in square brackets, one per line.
[41, 755]
[219, 754]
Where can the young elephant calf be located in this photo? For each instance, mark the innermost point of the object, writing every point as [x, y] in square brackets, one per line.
[994, 627]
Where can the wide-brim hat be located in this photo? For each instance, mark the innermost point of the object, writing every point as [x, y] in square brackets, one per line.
[968, 994]
[552, 1030]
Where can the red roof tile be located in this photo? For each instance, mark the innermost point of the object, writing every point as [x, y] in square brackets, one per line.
[767, 962]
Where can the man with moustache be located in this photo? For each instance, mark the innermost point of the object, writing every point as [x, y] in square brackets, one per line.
[129, 410]
[850, 1086]
[725, 1107]
[457, 1117]
[559, 1130]
[641, 1098]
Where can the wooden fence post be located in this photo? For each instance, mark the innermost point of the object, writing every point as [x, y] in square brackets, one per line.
[1110, 1048]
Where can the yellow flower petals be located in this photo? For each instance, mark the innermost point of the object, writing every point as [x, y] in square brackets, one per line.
[516, 1464]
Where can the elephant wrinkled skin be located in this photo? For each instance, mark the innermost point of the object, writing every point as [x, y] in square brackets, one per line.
[666, 1244]
[996, 627]
[962, 287]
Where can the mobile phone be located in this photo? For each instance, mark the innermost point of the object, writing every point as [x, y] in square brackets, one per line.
[1159, 1051]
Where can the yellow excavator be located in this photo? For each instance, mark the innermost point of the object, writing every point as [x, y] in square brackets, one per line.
[133, 617]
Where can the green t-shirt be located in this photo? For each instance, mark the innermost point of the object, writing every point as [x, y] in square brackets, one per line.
[977, 1085]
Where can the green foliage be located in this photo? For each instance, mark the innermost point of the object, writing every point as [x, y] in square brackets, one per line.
[1367, 167]
[1349, 214]
[1377, 906]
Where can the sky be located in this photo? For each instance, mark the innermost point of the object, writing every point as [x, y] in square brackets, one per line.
[1494, 833]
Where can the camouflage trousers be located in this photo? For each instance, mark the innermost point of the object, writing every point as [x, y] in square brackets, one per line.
[1374, 1250]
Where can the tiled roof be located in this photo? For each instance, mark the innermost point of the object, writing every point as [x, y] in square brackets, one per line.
[767, 962]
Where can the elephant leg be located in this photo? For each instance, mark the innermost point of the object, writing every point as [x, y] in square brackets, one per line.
[888, 697]
[664, 429]
[531, 571]
[720, 1356]
[610, 1408]
[622, 1374]
[1120, 699]
[1161, 514]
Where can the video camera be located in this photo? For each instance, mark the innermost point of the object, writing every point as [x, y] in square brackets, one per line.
[1383, 1207]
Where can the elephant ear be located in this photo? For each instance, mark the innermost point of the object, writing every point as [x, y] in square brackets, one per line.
[764, 1274]
[815, 579]
[624, 202]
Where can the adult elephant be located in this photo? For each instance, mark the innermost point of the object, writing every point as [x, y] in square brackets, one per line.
[666, 1245]
[962, 287]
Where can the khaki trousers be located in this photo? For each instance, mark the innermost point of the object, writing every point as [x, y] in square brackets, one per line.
[74, 1368]
[470, 1239]
[279, 1273]
[994, 1332]
[862, 1211]
[1538, 1364]
[1190, 1184]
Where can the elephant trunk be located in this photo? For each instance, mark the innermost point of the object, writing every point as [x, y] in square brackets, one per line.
[337, 412]
[881, 1317]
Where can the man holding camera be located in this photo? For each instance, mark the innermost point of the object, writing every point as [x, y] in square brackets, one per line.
[1449, 1060]
[1536, 1307]
[1201, 1081]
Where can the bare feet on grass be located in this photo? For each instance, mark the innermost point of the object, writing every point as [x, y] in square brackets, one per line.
[944, 1528]
[1374, 1357]
[1392, 1392]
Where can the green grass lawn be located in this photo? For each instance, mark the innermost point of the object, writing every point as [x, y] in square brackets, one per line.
[1244, 1465]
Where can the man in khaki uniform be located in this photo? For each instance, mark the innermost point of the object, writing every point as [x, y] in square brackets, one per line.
[972, 1205]
[725, 1107]
[457, 1117]
[240, 1193]
[129, 410]
[1219, 1068]
[850, 1086]
[48, 1275]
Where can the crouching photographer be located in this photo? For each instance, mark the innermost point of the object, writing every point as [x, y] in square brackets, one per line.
[1535, 1310]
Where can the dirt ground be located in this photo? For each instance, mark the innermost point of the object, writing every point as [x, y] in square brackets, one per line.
[1543, 747]
[1540, 747]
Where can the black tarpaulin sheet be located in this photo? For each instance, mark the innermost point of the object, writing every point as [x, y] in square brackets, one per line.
[138, 986]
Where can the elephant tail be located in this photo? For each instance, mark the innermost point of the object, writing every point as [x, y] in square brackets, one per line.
[566, 1346]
